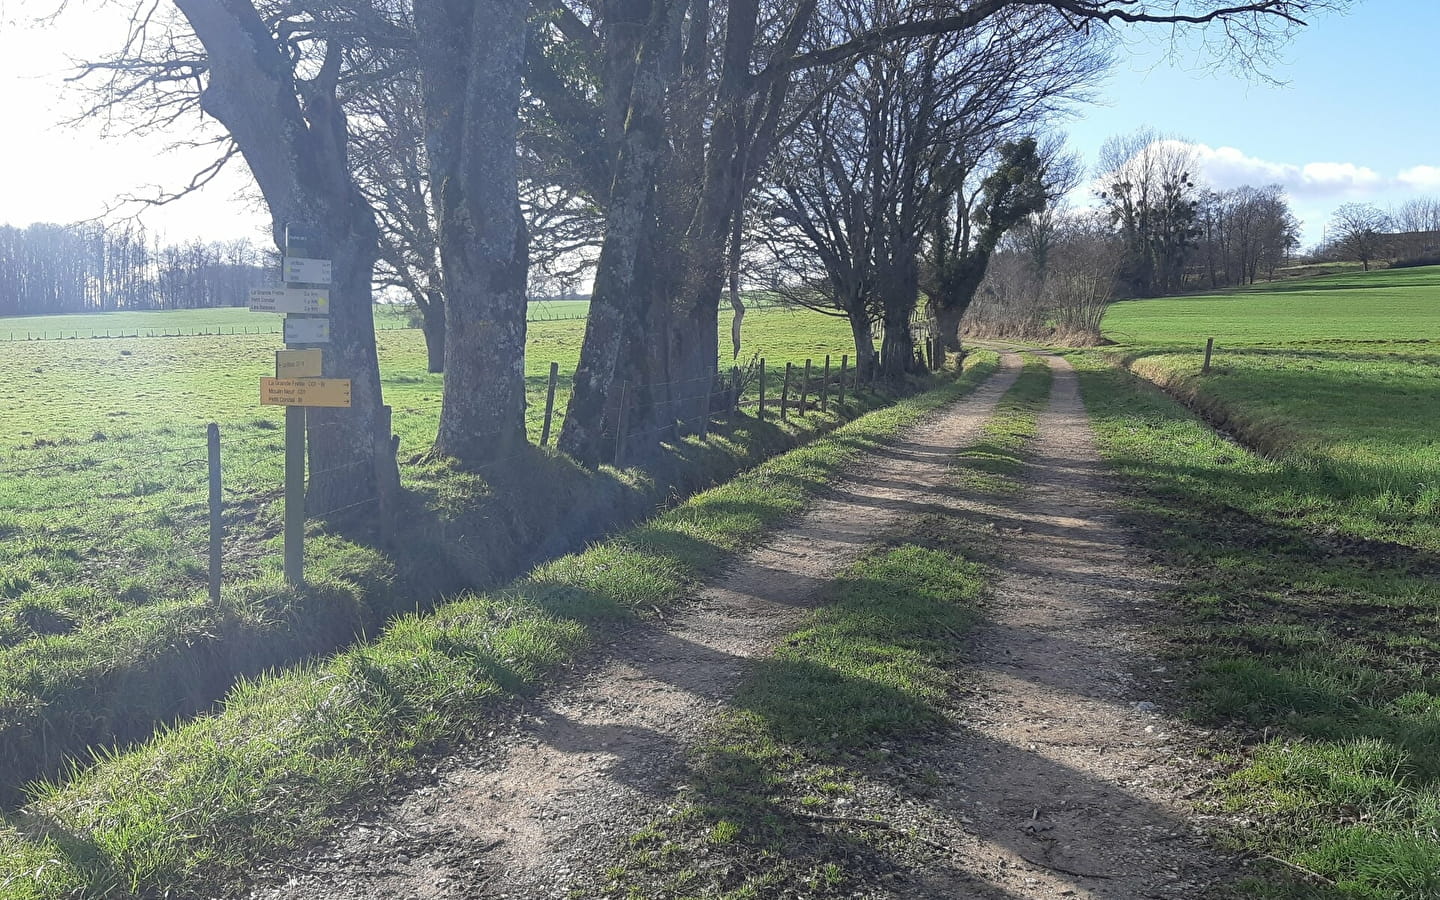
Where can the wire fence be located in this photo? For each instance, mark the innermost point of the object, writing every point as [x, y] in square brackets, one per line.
[17, 335]
[160, 479]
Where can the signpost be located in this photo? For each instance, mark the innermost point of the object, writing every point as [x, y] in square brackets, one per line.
[307, 331]
[298, 269]
[299, 363]
[298, 383]
[331, 392]
[315, 301]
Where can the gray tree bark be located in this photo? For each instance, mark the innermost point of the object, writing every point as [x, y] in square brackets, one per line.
[470, 60]
[292, 134]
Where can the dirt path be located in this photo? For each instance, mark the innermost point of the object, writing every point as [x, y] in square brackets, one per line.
[1064, 773]
[552, 795]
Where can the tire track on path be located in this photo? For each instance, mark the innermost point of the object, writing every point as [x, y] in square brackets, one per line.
[552, 797]
[1065, 773]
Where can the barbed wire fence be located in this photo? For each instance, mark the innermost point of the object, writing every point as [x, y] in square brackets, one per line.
[19, 335]
[141, 466]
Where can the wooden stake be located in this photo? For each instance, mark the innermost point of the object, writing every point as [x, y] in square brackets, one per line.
[217, 534]
[825, 387]
[622, 422]
[840, 394]
[1209, 346]
[785, 394]
[549, 404]
[760, 414]
[805, 387]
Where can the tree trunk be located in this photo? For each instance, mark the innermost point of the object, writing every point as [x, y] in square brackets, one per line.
[947, 322]
[864, 344]
[616, 314]
[432, 322]
[470, 73]
[298, 157]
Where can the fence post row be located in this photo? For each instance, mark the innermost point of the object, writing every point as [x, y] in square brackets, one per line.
[549, 404]
[785, 394]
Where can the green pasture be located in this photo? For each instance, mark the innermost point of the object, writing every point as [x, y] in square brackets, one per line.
[1340, 375]
[102, 447]
[1304, 557]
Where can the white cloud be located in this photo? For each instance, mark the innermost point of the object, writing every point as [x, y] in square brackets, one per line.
[1227, 167]
[1421, 178]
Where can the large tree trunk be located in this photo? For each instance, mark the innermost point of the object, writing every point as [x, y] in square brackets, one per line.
[618, 300]
[298, 157]
[900, 291]
[470, 72]
[432, 323]
[864, 344]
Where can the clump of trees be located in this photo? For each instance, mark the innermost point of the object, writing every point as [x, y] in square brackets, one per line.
[649, 128]
[47, 269]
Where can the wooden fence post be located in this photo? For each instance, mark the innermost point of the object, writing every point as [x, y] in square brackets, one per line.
[804, 387]
[760, 414]
[705, 405]
[734, 392]
[1209, 346]
[825, 387]
[294, 567]
[622, 422]
[549, 403]
[785, 394]
[217, 534]
[840, 394]
[387, 474]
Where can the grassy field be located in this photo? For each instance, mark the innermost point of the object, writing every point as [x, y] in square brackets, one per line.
[121, 422]
[1306, 558]
[287, 753]
[1341, 374]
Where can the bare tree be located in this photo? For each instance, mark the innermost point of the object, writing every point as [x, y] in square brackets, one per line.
[1149, 186]
[1359, 230]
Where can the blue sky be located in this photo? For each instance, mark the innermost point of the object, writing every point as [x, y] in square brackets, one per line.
[1358, 114]
[1361, 94]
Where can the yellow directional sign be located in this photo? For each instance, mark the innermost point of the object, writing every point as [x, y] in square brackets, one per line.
[298, 363]
[305, 392]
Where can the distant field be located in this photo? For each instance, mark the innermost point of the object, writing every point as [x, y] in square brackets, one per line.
[102, 448]
[1341, 372]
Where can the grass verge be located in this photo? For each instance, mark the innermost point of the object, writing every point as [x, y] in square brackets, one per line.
[990, 465]
[1324, 655]
[113, 681]
[198, 804]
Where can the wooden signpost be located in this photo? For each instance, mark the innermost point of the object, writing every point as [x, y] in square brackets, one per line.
[298, 381]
